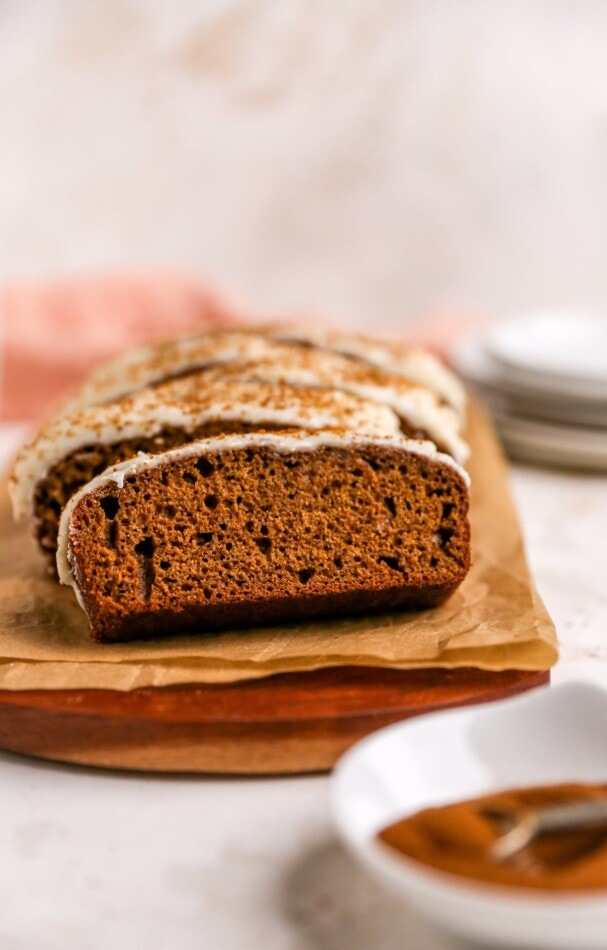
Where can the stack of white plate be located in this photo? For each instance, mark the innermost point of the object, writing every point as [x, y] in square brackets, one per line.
[544, 378]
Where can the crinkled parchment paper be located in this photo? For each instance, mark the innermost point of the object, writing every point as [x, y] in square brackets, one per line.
[495, 621]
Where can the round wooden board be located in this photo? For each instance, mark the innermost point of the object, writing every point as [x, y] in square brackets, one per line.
[283, 724]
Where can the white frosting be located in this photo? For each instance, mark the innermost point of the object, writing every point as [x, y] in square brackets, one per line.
[187, 403]
[143, 366]
[414, 403]
[294, 442]
[322, 364]
[395, 357]
[140, 367]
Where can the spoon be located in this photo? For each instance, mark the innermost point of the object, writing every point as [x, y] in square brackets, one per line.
[532, 823]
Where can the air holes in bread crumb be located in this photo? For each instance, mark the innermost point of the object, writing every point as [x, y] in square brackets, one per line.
[145, 547]
[205, 467]
[445, 535]
[110, 506]
[211, 501]
[145, 550]
[305, 575]
[391, 562]
[264, 544]
[112, 535]
[389, 503]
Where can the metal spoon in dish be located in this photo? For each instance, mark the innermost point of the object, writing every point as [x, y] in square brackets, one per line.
[531, 823]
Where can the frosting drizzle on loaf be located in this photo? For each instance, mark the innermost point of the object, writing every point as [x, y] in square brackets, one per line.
[414, 403]
[393, 356]
[147, 365]
[144, 366]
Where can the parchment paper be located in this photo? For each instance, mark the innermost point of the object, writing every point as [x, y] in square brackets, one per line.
[495, 620]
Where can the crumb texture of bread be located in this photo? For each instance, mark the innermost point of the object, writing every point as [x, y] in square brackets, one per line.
[249, 535]
[53, 492]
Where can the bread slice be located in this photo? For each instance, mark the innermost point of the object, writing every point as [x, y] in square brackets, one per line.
[259, 528]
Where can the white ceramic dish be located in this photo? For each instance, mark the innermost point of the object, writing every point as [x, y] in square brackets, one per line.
[547, 443]
[562, 352]
[552, 735]
[528, 397]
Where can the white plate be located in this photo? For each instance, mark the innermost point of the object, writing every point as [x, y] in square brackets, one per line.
[528, 396]
[552, 735]
[547, 443]
[559, 352]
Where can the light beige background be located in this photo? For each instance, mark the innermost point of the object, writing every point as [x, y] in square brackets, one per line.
[370, 158]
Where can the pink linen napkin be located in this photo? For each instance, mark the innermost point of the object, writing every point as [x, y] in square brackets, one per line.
[52, 333]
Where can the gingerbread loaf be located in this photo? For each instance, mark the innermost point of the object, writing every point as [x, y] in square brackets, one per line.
[256, 528]
[252, 476]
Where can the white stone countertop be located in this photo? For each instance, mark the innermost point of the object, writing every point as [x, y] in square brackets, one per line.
[95, 860]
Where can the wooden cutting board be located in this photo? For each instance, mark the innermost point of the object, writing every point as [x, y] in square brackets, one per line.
[296, 722]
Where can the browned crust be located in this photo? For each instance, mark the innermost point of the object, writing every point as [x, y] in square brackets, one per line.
[217, 617]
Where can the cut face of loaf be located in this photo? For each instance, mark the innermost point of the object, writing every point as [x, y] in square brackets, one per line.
[72, 450]
[263, 528]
